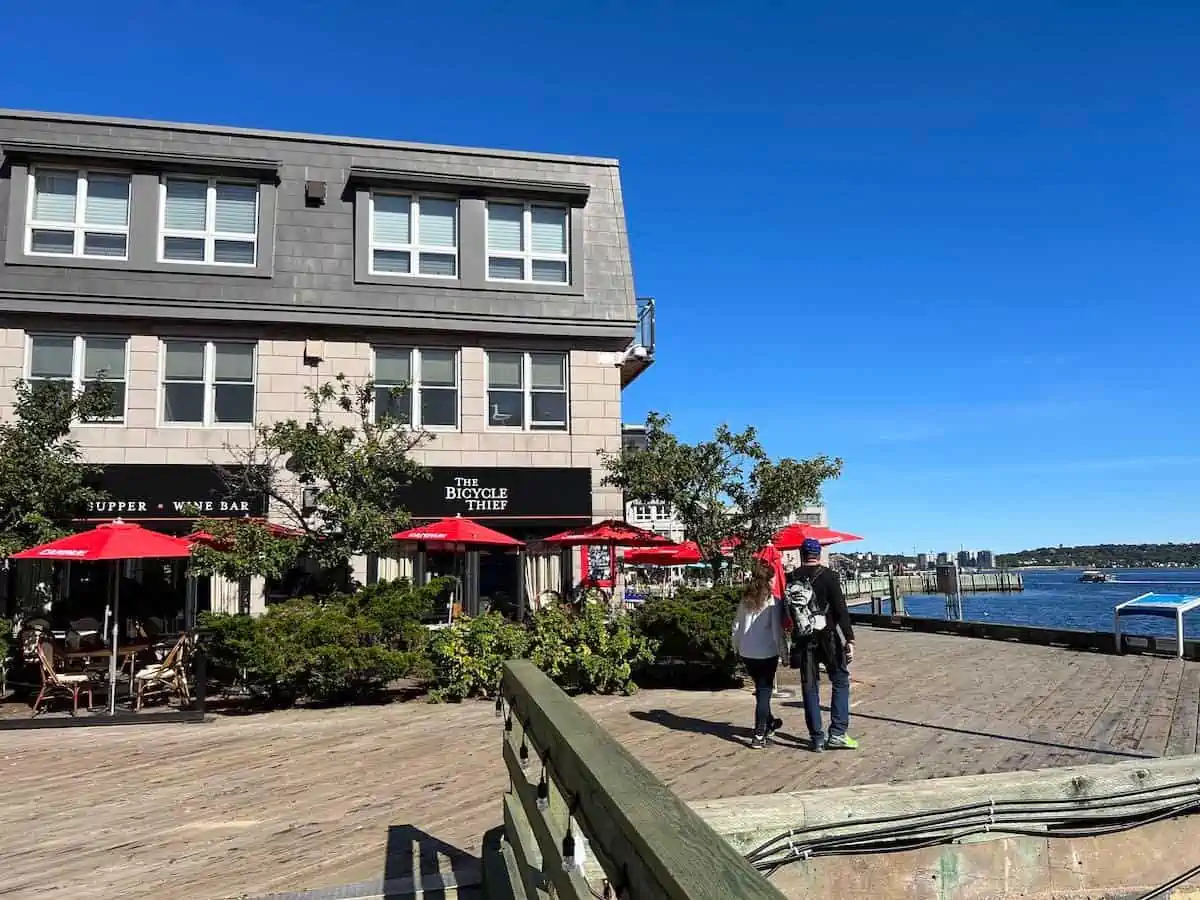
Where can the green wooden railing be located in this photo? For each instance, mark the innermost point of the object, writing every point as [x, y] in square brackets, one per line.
[584, 819]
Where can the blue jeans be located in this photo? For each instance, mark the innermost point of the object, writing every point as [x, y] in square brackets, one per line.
[839, 679]
[763, 673]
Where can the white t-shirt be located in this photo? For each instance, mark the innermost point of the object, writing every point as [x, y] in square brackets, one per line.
[758, 633]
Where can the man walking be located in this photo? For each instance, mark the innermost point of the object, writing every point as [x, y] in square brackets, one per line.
[821, 634]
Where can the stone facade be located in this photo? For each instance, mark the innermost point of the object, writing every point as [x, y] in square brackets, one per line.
[594, 393]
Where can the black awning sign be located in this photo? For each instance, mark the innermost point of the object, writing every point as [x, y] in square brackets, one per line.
[500, 493]
[171, 492]
[476, 498]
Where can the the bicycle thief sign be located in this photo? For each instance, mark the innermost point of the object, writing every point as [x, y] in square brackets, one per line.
[501, 493]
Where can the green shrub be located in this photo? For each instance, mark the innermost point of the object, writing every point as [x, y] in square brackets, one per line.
[467, 657]
[5, 642]
[229, 642]
[693, 632]
[344, 649]
[586, 651]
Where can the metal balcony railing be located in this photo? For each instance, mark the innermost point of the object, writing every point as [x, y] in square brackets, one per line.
[639, 355]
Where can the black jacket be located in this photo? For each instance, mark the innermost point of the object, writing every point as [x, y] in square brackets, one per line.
[827, 593]
[825, 645]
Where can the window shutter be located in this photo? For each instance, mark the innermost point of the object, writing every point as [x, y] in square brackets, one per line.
[549, 230]
[237, 209]
[54, 196]
[186, 205]
[107, 201]
[391, 219]
[504, 228]
[438, 226]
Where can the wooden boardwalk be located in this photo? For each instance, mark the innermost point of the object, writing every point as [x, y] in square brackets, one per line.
[309, 799]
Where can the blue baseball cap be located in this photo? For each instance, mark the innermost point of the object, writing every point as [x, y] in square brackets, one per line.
[811, 548]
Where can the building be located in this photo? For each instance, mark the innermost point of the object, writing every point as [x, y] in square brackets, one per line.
[922, 561]
[965, 559]
[213, 273]
[943, 559]
[985, 559]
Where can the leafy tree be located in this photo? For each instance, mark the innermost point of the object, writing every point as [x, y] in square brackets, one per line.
[722, 489]
[243, 548]
[44, 482]
[333, 478]
[1105, 555]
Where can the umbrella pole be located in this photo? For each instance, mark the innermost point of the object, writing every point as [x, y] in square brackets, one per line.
[520, 596]
[116, 632]
[612, 565]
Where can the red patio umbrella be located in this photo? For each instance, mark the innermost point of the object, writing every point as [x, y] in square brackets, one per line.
[792, 537]
[458, 535]
[681, 554]
[772, 557]
[112, 541]
[612, 533]
[273, 528]
[455, 533]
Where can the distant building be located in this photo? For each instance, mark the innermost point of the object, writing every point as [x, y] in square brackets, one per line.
[965, 559]
[633, 437]
[943, 559]
[922, 561]
[985, 559]
[657, 517]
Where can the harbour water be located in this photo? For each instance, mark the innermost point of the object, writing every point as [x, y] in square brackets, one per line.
[1057, 599]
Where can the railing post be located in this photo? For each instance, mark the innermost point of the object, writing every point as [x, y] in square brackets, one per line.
[575, 787]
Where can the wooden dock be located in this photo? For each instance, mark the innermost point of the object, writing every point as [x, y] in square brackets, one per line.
[317, 799]
[860, 590]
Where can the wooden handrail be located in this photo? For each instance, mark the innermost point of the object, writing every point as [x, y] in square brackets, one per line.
[648, 842]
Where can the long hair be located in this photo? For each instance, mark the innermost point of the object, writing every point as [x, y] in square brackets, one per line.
[757, 593]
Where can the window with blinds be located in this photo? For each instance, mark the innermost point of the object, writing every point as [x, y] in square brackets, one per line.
[209, 221]
[528, 242]
[79, 213]
[414, 235]
[208, 383]
[417, 387]
[83, 362]
[527, 390]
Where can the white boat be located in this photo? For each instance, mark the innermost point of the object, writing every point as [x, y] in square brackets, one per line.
[1095, 576]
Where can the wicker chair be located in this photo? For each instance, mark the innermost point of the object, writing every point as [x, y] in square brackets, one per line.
[58, 683]
[168, 676]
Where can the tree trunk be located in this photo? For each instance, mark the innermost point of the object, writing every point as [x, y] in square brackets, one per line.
[716, 569]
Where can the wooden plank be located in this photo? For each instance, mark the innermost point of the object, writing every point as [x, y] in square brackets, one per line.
[1186, 715]
[305, 799]
[687, 859]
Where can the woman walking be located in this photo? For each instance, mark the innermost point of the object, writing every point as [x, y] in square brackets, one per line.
[757, 634]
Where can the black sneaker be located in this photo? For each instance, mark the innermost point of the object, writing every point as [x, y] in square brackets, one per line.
[775, 725]
[816, 743]
[758, 742]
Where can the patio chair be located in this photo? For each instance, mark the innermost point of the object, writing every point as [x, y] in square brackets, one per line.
[58, 683]
[166, 676]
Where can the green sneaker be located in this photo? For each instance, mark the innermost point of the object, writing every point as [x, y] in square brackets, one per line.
[841, 742]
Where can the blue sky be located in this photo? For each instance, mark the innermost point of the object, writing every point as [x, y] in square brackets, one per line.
[957, 247]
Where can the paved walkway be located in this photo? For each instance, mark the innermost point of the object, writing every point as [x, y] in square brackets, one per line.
[311, 799]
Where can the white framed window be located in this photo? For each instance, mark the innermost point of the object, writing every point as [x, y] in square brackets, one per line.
[527, 390]
[208, 220]
[414, 235]
[641, 512]
[77, 212]
[208, 383]
[528, 242]
[417, 387]
[81, 361]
